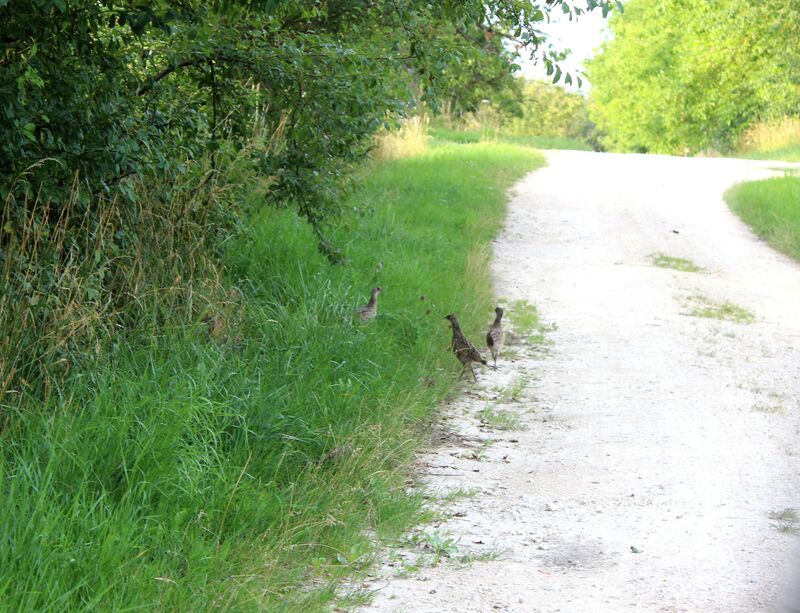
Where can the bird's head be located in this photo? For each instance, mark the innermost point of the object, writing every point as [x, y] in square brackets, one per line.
[452, 319]
[376, 290]
[499, 311]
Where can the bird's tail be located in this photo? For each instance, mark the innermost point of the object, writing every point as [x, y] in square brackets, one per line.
[484, 362]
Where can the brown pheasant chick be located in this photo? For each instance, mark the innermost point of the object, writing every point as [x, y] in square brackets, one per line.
[494, 337]
[463, 349]
[368, 312]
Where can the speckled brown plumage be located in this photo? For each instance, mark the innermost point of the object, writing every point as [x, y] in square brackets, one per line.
[494, 337]
[370, 310]
[463, 349]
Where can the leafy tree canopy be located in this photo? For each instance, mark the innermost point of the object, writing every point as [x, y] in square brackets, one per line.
[100, 90]
[687, 76]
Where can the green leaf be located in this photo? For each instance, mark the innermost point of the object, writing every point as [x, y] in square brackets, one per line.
[28, 131]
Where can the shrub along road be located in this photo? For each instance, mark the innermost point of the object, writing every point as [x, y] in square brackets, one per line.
[646, 456]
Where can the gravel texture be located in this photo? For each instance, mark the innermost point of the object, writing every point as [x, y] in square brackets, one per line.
[641, 458]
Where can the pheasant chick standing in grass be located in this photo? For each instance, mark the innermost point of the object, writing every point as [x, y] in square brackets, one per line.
[494, 337]
[464, 350]
[370, 310]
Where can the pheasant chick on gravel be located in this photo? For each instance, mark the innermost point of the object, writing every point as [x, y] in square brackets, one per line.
[370, 310]
[494, 337]
[463, 349]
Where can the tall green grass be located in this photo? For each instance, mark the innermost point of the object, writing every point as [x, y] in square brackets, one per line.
[772, 209]
[251, 470]
[537, 142]
[789, 153]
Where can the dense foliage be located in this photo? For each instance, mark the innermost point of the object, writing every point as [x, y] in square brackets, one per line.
[688, 76]
[131, 130]
[106, 90]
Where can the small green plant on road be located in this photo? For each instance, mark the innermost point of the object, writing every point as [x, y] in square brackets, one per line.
[662, 260]
[703, 306]
[785, 520]
[499, 419]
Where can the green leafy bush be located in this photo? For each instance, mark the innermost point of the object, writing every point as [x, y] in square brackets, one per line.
[686, 77]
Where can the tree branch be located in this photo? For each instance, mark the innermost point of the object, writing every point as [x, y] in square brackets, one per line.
[151, 82]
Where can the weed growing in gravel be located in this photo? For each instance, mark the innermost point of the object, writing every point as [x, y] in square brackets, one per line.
[525, 326]
[513, 391]
[761, 407]
[442, 546]
[702, 306]
[662, 260]
[459, 494]
[499, 419]
[485, 556]
[438, 544]
[785, 520]
[525, 317]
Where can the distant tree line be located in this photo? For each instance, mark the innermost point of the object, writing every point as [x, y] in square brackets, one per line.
[552, 111]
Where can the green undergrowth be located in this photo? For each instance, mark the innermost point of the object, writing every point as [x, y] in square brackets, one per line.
[445, 135]
[251, 470]
[771, 207]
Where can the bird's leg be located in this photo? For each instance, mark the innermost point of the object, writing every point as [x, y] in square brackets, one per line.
[461, 374]
[474, 376]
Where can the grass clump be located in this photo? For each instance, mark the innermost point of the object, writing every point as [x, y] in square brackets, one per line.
[246, 469]
[499, 419]
[702, 306]
[761, 407]
[771, 207]
[411, 138]
[513, 391]
[526, 325]
[459, 494]
[785, 520]
[663, 260]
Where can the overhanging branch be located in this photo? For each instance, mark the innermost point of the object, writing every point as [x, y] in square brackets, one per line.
[151, 82]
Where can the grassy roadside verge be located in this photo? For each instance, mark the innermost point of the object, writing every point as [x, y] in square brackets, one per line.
[771, 207]
[251, 470]
[476, 136]
[789, 153]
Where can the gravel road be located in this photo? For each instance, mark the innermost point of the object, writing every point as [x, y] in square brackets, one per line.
[642, 458]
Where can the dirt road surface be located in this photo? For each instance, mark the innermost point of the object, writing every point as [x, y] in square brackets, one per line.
[642, 458]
